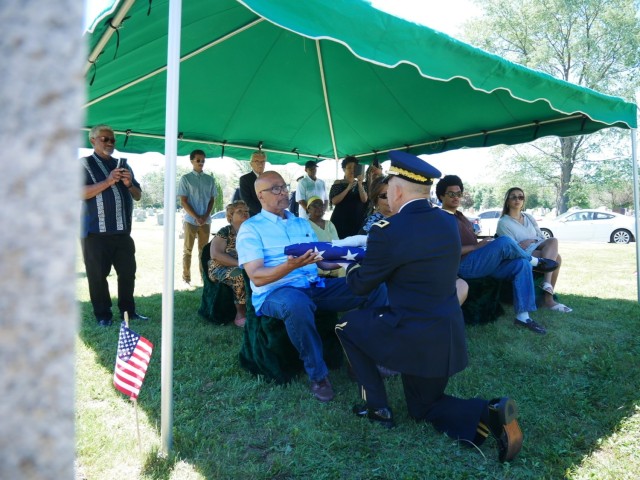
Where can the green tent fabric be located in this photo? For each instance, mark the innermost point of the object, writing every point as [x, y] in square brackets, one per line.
[321, 79]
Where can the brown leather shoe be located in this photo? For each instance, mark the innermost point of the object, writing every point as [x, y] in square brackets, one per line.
[322, 390]
[504, 427]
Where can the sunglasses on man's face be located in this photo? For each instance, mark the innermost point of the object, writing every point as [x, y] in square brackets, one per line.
[104, 139]
[453, 194]
[199, 161]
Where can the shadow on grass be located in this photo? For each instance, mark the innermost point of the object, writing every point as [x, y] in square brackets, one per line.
[573, 386]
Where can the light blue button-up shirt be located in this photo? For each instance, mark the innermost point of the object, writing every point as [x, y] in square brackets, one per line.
[264, 236]
[199, 188]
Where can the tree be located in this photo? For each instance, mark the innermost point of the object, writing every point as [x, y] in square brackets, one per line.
[153, 187]
[612, 182]
[467, 200]
[593, 43]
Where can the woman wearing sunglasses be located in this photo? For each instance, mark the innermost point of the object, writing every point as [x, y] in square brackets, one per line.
[379, 205]
[499, 258]
[523, 228]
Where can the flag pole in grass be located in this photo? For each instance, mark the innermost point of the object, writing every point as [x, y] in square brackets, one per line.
[132, 360]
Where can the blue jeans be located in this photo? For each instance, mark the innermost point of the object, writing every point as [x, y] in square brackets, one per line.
[503, 259]
[297, 306]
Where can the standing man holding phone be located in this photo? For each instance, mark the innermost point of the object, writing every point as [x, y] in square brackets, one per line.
[109, 191]
[197, 192]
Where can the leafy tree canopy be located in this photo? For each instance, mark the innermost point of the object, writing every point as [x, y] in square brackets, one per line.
[592, 43]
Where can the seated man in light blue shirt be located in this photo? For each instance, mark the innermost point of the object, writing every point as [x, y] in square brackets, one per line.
[289, 287]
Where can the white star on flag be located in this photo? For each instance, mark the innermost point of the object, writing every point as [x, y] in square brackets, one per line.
[318, 252]
[349, 257]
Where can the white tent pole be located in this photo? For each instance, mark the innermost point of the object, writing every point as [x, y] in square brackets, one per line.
[636, 206]
[171, 151]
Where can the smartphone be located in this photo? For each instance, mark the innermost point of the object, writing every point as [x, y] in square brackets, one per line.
[359, 170]
[122, 163]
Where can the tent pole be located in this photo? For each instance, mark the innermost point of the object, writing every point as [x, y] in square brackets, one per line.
[108, 33]
[325, 94]
[636, 206]
[170, 149]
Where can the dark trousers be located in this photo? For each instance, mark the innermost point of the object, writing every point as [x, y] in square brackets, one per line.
[425, 397]
[100, 253]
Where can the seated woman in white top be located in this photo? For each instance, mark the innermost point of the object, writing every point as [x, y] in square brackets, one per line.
[523, 228]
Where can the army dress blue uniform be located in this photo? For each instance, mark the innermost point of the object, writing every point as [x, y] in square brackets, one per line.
[421, 333]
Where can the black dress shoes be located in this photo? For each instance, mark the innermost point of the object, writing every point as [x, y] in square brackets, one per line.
[504, 427]
[535, 327]
[136, 316]
[105, 322]
[381, 416]
[545, 265]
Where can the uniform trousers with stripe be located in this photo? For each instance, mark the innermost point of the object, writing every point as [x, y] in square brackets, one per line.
[425, 397]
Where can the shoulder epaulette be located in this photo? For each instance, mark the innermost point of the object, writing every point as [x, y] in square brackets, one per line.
[381, 223]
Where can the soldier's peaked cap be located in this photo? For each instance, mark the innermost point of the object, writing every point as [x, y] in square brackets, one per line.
[412, 168]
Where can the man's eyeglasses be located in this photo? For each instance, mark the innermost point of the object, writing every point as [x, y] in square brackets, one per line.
[516, 197]
[453, 194]
[277, 189]
[199, 161]
[103, 139]
[383, 196]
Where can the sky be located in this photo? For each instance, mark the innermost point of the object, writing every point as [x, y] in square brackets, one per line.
[447, 16]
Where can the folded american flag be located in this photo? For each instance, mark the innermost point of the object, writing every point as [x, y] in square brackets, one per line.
[327, 251]
[134, 354]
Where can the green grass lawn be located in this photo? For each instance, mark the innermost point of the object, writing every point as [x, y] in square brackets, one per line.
[577, 389]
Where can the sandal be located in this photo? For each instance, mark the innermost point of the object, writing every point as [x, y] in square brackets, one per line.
[559, 307]
[547, 287]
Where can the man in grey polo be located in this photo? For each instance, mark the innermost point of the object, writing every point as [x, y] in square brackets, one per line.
[197, 192]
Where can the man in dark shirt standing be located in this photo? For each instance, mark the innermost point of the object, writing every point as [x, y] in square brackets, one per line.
[247, 182]
[109, 191]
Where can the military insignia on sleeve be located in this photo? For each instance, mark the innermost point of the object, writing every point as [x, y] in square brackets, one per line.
[381, 223]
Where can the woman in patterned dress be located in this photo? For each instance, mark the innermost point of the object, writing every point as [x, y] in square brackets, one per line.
[223, 266]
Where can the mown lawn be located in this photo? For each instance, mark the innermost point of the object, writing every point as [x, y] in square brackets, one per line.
[577, 389]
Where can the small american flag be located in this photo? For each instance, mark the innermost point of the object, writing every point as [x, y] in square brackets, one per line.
[134, 354]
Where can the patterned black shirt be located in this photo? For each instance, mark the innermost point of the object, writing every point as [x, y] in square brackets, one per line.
[109, 212]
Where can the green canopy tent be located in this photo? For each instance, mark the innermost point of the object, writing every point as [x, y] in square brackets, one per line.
[318, 79]
[310, 79]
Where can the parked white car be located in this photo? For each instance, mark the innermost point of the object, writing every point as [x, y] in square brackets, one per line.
[590, 225]
[218, 220]
[489, 221]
